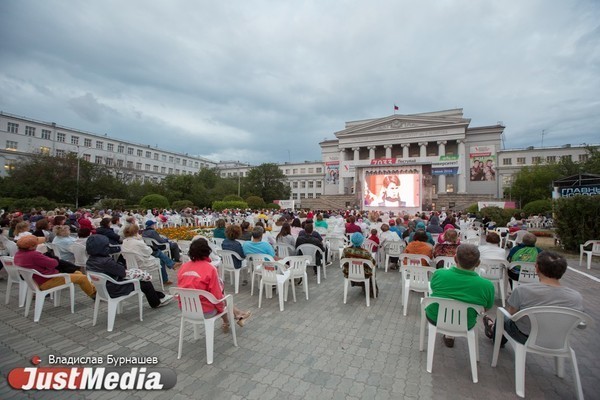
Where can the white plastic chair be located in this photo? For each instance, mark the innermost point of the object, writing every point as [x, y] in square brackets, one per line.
[191, 311]
[297, 268]
[274, 274]
[218, 242]
[9, 245]
[595, 251]
[164, 247]
[312, 251]
[336, 246]
[448, 261]
[14, 277]
[494, 271]
[356, 273]
[131, 261]
[227, 265]
[254, 262]
[184, 246]
[80, 254]
[415, 278]
[114, 304]
[285, 250]
[551, 328]
[40, 295]
[451, 320]
[527, 273]
[503, 239]
[518, 239]
[393, 249]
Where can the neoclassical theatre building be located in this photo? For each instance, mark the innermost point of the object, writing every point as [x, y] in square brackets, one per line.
[408, 162]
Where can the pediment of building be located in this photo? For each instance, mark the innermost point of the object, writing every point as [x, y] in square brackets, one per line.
[401, 123]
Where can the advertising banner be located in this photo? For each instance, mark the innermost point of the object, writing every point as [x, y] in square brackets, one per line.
[332, 172]
[482, 162]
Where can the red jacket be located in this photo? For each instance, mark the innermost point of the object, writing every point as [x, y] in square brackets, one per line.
[35, 260]
[204, 276]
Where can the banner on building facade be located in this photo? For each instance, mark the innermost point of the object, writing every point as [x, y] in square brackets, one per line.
[499, 204]
[332, 172]
[591, 190]
[445, 165]
[482, 163]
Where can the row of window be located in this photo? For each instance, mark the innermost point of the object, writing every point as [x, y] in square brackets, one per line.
[87, 142]
[304, 184]
[311, 170]
[298, 196]
[547, 159]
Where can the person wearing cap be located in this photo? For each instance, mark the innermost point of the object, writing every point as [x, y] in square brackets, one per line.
[356, 251]
[151, 233]
[28, 257]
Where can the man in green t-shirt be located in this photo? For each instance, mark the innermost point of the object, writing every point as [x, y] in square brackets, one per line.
[461, 283]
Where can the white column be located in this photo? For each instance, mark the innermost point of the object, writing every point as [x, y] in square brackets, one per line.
[423, 149]
[371, 152]
[441, 186]
[462, 178]
[388, 150]
[356, 153]
[340, 179]
[405, 147]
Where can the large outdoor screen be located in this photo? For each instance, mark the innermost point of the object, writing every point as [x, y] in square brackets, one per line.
[391, 190]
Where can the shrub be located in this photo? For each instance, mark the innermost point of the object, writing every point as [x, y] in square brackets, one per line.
[232, 197]
[222, 205]
[498, 215]
[255, 202]
[472, 209]
[538, 207]
[272, 206]
[26, 205]
[154, 201]
[181, 204]
[577, 220]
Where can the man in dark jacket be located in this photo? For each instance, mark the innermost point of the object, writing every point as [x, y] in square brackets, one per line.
[308, 238]
[97, 246]
[151, 233]
[113, 238]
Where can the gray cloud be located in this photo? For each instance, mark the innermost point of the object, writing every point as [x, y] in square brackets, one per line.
[249, 81]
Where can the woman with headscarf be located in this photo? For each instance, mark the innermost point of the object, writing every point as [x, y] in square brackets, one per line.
[356, 251]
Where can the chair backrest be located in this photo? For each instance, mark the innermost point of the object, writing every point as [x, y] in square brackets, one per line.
[527, 273]
[189, 300]
[394, 249]
[448, 261]
[99, 281]
[311, 250]
[469, 233]
[255, 259]
[435, 237]
[11, 268]
[285, 250]
[551, 327]
[218, 242]
[27, 274]
[418, 276]
[492, 269]
[414, 259]
[9, 245]
[130, 259]
[356, 267]
[474, 240]
[80, 254]
[296, 264]
[452, 314]
[336, 242]
[227, 257]
[596, 248]
[270, 270]
[369, 245]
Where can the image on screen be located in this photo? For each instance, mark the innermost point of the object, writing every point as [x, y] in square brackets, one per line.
[391, 190]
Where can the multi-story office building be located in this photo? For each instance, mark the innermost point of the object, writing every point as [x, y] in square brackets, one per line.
[129, 161]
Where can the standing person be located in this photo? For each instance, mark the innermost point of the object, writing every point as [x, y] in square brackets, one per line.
[100, 260]
[461, 283]
[550, 268]
[200, 274]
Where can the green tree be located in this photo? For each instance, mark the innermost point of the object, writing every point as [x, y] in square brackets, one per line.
[534, 183]
[255, 202]
[267, 181]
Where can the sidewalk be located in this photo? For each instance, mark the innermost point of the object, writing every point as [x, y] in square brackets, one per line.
[316, 349]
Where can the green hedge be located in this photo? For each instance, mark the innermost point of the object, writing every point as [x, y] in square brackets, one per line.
[181, 204]
[39, 202]
[273, 206]
[222, 205]
[538, 207]
[255, 202]
[577, 220]
[154, 201]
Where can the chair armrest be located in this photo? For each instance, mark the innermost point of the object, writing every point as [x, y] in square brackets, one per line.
[136, 282]
[63, 275]
[502, 312]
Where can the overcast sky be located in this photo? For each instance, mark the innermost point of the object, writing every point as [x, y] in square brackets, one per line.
[266, 81]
